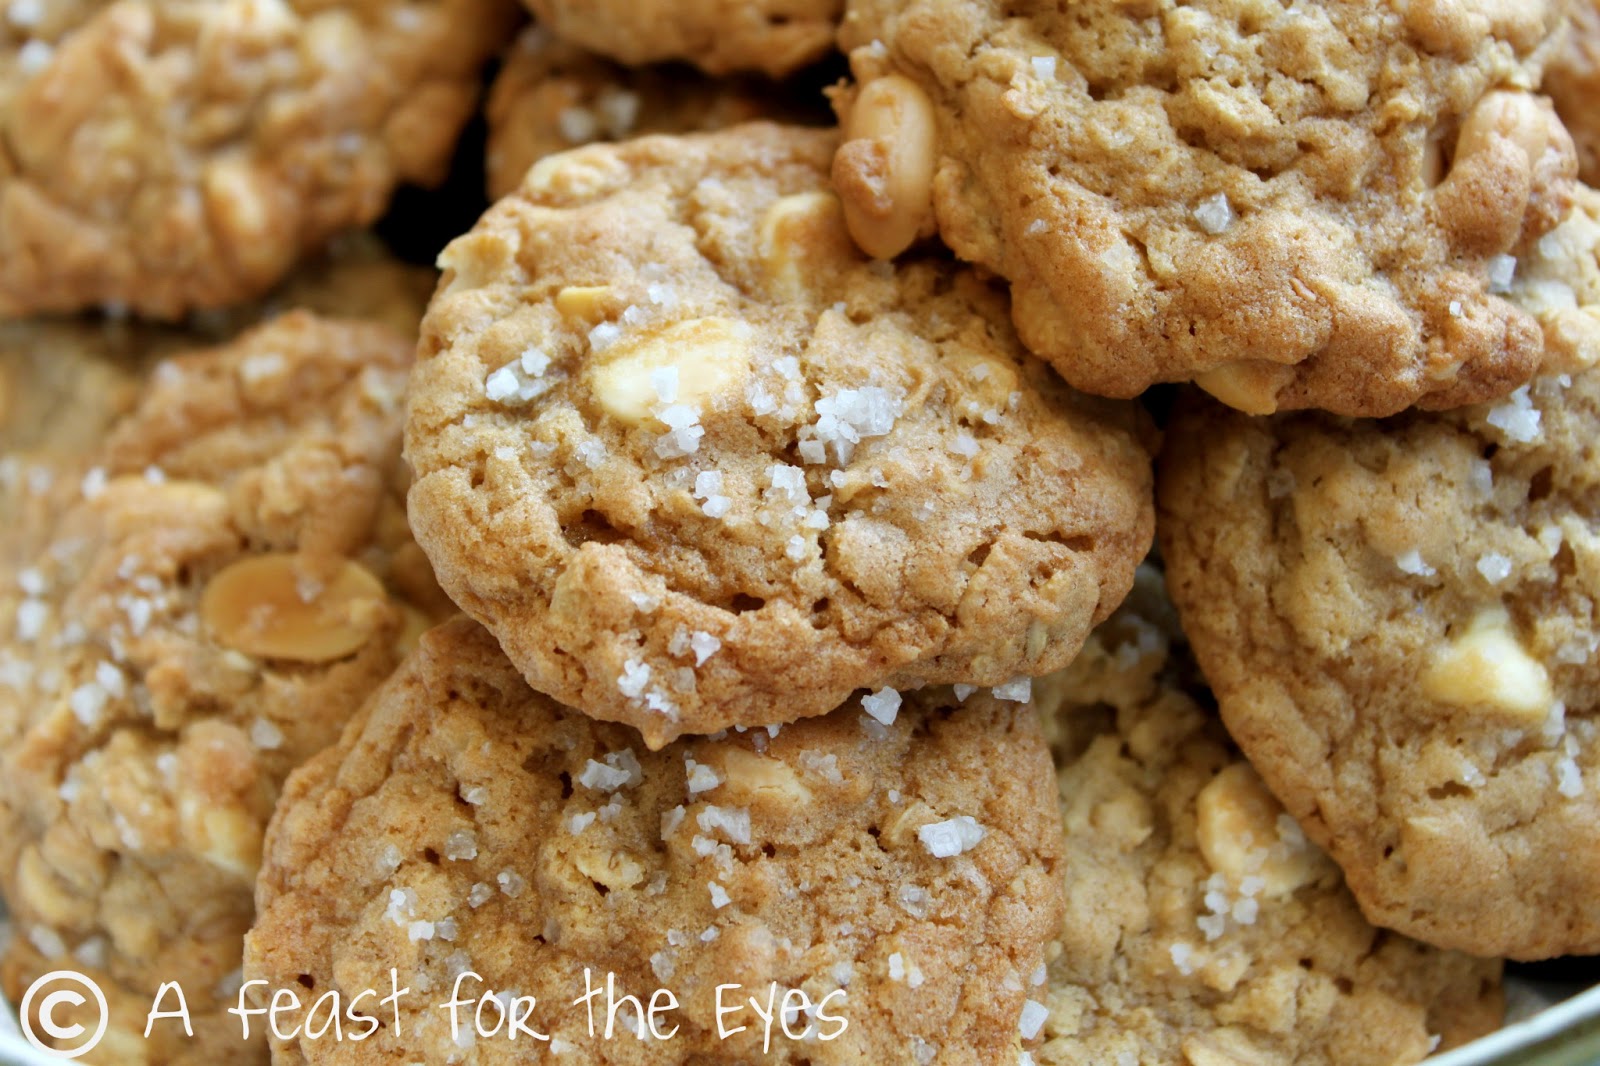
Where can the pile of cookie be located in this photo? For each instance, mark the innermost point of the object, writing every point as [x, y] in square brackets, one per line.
[718, 617]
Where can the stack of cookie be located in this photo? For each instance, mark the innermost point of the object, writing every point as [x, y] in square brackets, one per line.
[720, 623]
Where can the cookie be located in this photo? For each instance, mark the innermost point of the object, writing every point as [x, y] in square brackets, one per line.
[697, 463]
[1201, 926]
[357, 277]
[1399, 621]
[906, 866]
[550, 96]
[166, 156]
[773, 37]
[62, 385]
[1571, 82]
[1308, 207]
[234, 578]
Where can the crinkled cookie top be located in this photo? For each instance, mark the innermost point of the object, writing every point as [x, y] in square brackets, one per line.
[1399, 622]
[165, 156]
[235, 576]
[904, 876]
[1201, 926]
[1317, 205]
[697, 463]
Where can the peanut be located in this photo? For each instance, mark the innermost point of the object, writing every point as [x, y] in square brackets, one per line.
[255, 606]
[884, 167]
[710, 356]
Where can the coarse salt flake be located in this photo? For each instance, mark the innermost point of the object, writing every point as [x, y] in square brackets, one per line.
[1017, 690]
[952, 837]
[1032, 1019]
[883, 705]
[1518, 419]
[1214, 214]
[1410, 562]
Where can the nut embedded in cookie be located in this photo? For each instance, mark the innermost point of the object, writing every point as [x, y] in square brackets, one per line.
[696, 462]
[481, 839]
[1310, 208]
[1201, 925]
[170, 155]
[232, 578]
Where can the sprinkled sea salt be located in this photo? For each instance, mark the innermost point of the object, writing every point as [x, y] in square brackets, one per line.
[1518, 419]
[265, 735]
[1214, 214]
[1410, 562]
[635, 676]
[944, 840]
[1502, 270]
[1494, 567]
[1017, 690]
[619, 770]
[883, 705]
[1032, 1019]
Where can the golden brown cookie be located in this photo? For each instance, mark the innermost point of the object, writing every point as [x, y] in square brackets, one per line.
[1399, 621]
[234, 578]
[1307, 206]
[62, 385]
[697, 463]
[1201, 927]
[1573, 82]
[550, 96]
[902, 877]
[165, 155]
[774, 37]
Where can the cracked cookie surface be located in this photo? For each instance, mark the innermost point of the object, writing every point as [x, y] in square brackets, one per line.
[695, 461]
[551, 96]
[1201, 926]
[1399, 621]
[165, 156]
[1313, 207]
[234, 577]
[774, 37]
[465, 823]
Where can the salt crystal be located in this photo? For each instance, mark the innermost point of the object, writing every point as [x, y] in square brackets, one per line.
[1494, 567]
[883, 705]
[1410, 562]
[1017, 690]
[952, 837]
[1032, 1020]
[1214, 213]
[1518, 419]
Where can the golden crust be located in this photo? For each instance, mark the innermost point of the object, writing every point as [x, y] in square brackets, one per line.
[167, 156]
